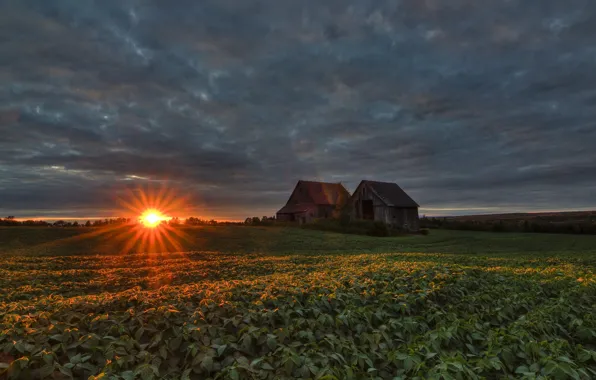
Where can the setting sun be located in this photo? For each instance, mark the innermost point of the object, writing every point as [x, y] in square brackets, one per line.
[152, 218]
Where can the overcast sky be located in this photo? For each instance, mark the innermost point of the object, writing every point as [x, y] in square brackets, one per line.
[471, 106]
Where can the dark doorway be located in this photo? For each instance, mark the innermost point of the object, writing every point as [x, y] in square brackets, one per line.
[368, 210]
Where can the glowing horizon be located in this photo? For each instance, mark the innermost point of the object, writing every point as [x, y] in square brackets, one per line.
[152, 218]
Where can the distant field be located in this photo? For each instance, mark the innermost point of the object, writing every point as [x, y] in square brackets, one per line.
[554, 216]
[275, 303]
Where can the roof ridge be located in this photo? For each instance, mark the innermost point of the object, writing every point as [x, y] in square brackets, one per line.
[370, 180]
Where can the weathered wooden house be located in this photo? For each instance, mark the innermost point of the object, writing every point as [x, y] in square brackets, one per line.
[314, 200]
[386, 202]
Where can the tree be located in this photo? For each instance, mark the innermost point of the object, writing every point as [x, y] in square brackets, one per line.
[75, 224]
[88, 223]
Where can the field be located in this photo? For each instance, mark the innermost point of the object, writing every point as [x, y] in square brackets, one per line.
[568, 216]
[573, 222]
[275, 303]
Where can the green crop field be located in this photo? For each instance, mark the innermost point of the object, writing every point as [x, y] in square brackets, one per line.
[274, 303]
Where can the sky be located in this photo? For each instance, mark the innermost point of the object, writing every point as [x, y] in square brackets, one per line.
[470, 106]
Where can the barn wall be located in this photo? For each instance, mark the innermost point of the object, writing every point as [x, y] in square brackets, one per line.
[401, 217]
[405, 217]
[306, 217]
[382, 214]
[413, 219]
[325, 211]
[284, 217]
[364, 194]
[300, 217]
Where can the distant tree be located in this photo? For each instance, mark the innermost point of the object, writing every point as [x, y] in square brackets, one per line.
[75, 224]
[527, 227]
[192, 221]
[88, 223]
[248, 221]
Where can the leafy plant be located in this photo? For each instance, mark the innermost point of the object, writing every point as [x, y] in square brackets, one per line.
[318, 314]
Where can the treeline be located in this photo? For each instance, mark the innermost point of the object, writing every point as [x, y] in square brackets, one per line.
[192, 221]
[263, 221]
[587, 227]
[11, 221]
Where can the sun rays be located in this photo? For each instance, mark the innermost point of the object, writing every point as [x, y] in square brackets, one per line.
[152, 233]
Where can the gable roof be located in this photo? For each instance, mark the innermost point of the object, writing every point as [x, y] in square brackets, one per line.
[319, 193]
[390, 193]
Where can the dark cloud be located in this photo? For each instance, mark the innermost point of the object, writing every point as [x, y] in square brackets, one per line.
[470, 106]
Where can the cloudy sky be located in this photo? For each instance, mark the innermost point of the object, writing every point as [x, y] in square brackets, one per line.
[471, 106]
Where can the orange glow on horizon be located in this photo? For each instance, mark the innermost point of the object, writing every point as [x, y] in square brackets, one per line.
[154, 207]
[152, 218]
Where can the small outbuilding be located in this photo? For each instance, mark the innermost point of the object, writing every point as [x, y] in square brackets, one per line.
[385, 202]
[314, 200]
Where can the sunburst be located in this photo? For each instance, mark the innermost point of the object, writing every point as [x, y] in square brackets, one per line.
[152, 218]
[152, 233]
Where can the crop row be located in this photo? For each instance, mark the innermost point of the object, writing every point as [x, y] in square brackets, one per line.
[326, 317]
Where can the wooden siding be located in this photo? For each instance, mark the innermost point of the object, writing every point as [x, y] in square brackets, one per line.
[403, 217]
[300, 217]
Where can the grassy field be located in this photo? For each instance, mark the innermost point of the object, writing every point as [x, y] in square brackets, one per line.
[274, 303]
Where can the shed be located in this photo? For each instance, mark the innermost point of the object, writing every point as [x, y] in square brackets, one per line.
[312, 200]
[386, 202]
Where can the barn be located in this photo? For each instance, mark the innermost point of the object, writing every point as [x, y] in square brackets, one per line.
[386, 202]
[313, 200]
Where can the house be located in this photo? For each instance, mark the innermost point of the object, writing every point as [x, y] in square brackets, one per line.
[386, 202]
[313, 200]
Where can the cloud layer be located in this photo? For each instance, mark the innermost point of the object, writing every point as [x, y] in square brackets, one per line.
[470, 106]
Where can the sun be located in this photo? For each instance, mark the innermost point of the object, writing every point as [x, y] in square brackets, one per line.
[152, 218]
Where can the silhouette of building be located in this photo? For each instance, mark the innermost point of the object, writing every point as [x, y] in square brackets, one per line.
[385, 202]
[314, 200]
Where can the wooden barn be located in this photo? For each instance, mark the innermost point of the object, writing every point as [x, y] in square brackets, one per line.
[386, 202]
[313, 200]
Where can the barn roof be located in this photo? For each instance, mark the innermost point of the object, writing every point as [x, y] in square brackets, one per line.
[324, 193]
[390, 193]
[315, 193]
